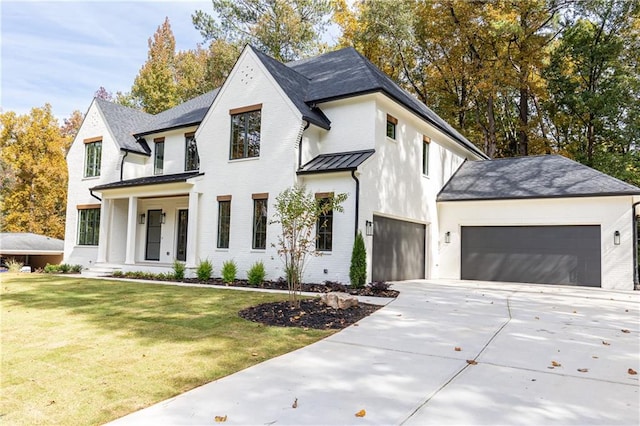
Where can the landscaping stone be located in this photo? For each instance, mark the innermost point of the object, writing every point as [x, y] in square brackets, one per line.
[338, 300]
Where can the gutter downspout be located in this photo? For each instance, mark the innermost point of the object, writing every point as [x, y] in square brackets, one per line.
[353, 175]
[94, 195]
[122, 163]
[634, 223]
[300, 145]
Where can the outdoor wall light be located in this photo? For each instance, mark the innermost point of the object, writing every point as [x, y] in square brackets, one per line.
[368, 228]
[447, 237]
[616, 238]
[163, 217]
[142, 219]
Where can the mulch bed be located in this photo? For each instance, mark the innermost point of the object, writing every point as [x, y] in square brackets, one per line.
[311, 314]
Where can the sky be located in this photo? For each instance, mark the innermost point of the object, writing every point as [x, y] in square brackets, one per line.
[61, 52]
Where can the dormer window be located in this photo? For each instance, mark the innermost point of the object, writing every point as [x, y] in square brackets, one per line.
[245, 132]
[191, 158]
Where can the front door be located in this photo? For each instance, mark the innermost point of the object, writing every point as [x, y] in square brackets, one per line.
[181, 249]
[154, 234]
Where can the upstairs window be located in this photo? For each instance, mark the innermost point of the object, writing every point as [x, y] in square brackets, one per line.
[191, 158]
[158, 159]
[88, 225]
[425, 155]
[245, 132]
[259, 221]
[392, 122]
[92, 157]
[324, 227]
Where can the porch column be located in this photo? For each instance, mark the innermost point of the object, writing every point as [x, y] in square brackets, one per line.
[105, 229]
[132, 224]
[192, 229]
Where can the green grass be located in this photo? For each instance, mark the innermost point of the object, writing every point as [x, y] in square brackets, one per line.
[80, 351]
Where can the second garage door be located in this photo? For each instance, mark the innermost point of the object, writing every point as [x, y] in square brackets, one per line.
[532, 254]
[398, 249]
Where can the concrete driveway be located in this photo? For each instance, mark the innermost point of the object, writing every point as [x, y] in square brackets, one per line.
[545, 355]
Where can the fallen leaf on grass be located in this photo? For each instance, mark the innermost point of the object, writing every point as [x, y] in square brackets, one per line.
[632, 371]
[624, 330]
[295, 403]
[51, 402]
[556, 364]
[472, 362]
[583, 370]
[361, 413]
[254, 353]
[221, 419]
[457, 349]
[606, 343]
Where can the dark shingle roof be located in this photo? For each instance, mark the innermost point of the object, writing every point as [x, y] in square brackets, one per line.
[545, 176]
[295, 85]
[186, 114]
[24, 242]
[345, 73]
[148, 180]
[123, 122]
[336, 162]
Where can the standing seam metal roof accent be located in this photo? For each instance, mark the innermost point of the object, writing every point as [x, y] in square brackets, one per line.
[336, 162]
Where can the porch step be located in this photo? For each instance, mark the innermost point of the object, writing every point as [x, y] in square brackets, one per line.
[100, 270]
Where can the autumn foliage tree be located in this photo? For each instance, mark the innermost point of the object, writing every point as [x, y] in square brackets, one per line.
[34, 188]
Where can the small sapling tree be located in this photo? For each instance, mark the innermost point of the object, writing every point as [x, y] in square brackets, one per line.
[298, 213]
[358, 270]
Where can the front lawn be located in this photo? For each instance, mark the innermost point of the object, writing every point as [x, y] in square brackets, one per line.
[82, 351]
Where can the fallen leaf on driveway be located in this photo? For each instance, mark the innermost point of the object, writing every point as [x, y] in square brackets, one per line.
[221, 419]
[583, 370]
[361, 413]
[457, 349]
[624, 330]
[606, 343]
[556, 364]
[472, 362]
[295, 403]
[537, 317]
[594, 357]
[632, 371]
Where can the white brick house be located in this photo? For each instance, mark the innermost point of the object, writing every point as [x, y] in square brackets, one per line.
[199, 181]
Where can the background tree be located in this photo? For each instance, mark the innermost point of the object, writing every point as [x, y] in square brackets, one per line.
[284, 29]
[298, 212]
[34, 191]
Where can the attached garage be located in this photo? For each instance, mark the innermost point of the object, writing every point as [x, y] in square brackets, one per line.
[567, 255]
[541, 219]
[398, 249]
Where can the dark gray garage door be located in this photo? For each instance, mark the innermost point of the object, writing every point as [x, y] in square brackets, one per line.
[398, 250]
[532, 254]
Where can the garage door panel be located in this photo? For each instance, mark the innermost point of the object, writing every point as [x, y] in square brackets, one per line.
[532, 254]
[398, 250]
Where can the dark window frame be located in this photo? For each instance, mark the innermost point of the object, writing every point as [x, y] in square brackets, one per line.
[324, 227]
[158, 156]
[224, 222]
[260, 213]
[426, 142]
[88, 226]
[392, 122]
[92, 157]
[191, 156]
[246, 132]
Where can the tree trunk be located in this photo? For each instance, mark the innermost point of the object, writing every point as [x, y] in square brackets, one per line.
[492, 142]
[523, 137]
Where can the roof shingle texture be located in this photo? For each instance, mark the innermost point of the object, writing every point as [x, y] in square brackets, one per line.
[123, 123]
[25, 241]
[336, 162]
[545, 176]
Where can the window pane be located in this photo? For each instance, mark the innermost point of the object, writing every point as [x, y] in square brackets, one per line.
[192, 160]
[159, 158]
[88, 227]
[245, 135]
[391, 130]
[324, 229]
[93, 153]
[224, 223]
[425, 158]
[259, 224]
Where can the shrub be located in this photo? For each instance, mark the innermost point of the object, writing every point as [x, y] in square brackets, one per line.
[116, 274]
[229, 271]
[204, 270]
[51, 269]
[379, 286]
[64, 268]
[178, 270]
[256, 274]
[335, 286]
[358, 269]
[14, 266]
[76, 269]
